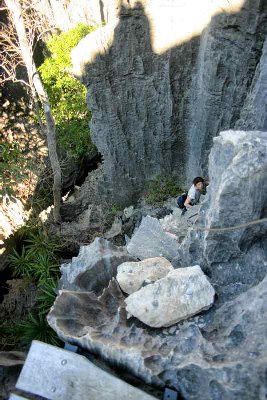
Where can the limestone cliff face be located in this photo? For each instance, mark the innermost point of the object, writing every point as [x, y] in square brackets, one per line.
[164, 78]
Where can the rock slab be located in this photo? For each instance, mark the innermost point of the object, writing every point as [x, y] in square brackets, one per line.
[150, 240]
[182, 293]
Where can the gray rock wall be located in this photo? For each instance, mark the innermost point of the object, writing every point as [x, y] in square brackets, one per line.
[163, 80]
[234, 258]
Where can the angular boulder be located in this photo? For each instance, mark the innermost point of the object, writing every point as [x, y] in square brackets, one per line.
[220, 354]
[182, 293]
[150, 240]
[94, 267]
[230, 247]
[132, 275]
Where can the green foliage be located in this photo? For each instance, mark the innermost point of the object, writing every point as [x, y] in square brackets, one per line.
[20, 263]
[47, 295]
[38, 259]
[14, 167]
[35, 327]
[161, 188]
[67, 95]
[40, 243]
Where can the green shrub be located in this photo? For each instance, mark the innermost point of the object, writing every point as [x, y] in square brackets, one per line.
[35, 327]
[38, 258]
[40, 243]
[47, 295]
[20, 263]
[161, 189]
[67, 95]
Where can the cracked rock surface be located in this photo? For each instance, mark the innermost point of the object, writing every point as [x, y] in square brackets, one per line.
[220, 353]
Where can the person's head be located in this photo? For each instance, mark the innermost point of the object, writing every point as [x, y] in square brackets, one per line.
[198, 182]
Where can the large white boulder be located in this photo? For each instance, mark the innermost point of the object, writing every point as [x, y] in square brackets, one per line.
[132, 275]
[182, 293]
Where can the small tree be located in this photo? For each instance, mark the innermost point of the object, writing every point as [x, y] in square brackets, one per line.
[18, 37]
[66, 94]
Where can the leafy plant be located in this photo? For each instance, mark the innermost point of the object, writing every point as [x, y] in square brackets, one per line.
[37, 328]
[20, 262]
[38, 259]
[39, 242]
[42, 267]
[67, 95]
[47, 295]
[161, 188]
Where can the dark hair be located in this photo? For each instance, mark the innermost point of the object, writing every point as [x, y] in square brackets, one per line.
[197, 180]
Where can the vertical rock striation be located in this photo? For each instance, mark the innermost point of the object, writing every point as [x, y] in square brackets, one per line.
[156, 106]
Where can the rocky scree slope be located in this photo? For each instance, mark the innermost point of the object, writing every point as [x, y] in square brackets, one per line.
[219, 354]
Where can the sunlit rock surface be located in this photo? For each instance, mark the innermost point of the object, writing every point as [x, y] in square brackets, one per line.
[234, 259]
[179, 295]
[132, 275]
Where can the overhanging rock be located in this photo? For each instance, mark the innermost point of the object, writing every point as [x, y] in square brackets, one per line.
[94, 267]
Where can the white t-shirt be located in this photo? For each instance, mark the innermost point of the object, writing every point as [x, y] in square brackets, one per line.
[194, 194]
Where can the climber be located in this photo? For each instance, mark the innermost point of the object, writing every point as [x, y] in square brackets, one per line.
[192, 197]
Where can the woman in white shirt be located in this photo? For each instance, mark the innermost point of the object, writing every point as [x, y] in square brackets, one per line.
[194, 193]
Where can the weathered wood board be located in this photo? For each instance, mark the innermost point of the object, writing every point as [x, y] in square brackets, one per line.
[58, 374]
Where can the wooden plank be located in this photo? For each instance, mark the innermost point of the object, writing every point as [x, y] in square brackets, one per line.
[58, 374]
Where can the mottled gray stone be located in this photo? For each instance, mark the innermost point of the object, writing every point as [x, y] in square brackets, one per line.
[233, 259]
[115, 229]
[225, 359]
[150, 240]
[254, 112]
[176, 225]
[179, 295]
[132, 275]
[156, 111]
[94, 267]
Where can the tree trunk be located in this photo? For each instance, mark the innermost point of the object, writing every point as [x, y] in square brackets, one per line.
[36, 84]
